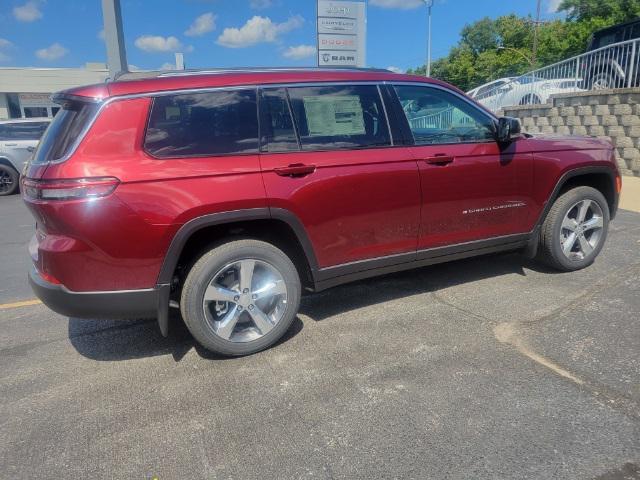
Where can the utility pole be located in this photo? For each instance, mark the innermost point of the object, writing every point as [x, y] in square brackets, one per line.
[429, 4]
[114, 38]
[535, 35]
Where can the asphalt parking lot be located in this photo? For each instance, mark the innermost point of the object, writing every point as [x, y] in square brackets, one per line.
[486, 368]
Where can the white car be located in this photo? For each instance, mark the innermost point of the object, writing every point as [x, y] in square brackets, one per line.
[19, 138]
[525, 90]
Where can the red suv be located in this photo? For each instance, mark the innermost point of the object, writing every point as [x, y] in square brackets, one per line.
[228, 193]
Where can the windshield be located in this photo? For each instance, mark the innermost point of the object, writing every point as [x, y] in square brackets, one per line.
[64, 131]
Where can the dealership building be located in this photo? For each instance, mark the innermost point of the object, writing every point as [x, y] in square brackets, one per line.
[24, 92]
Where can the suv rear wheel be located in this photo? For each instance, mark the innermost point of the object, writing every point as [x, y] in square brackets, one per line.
[8, 180]
[240, 297]
[575, 229]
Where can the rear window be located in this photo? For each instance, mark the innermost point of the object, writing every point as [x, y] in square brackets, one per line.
[22, 130]
[345, 116]
[64, 130]
[203, 124]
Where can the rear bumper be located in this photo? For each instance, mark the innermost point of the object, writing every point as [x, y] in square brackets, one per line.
[119, 304]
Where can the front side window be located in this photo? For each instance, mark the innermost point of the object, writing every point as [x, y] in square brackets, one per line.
[223, 122]
[436, 116]
[343, 116]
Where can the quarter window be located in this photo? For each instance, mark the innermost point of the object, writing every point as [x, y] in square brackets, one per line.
[345, 116]
[436, 116]
[203, 124]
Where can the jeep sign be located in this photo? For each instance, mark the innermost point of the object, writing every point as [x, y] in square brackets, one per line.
[342, 34]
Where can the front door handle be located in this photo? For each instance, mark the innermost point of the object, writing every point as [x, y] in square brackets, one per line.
[10, 144]
[295, 170]
[31, 149]
[439, 160]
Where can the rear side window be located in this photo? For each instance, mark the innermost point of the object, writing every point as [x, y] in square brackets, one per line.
[65, 129]
[22, 130]
[344, 116]
[203, 124]
[276, 122]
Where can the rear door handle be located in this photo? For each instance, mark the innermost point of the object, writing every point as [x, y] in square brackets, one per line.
[31, 149]
[10, 144]
[295, 170]
[439, 159]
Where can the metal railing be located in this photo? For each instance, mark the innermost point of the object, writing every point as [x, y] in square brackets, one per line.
[442, 120]
[613, 66]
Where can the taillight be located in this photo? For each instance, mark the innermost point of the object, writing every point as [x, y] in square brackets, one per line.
[69, 189]
[618, 183]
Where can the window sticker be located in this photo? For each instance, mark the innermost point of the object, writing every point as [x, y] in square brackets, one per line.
[334, 115]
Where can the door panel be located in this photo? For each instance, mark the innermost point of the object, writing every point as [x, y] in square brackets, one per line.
[482, 193]
[355, 205]
[472, 187]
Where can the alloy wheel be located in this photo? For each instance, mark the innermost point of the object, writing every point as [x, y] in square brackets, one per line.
[581, 229]
[6, 182]
[245, 300]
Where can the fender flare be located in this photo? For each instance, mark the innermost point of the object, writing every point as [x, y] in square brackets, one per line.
[192, 226]
[576, 173]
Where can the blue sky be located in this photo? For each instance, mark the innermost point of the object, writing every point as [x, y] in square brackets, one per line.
[224, 33]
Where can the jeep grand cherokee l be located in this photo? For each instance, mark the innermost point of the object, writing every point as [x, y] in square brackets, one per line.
[229, 193]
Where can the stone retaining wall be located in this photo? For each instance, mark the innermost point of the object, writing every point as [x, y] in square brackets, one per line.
[606, 113]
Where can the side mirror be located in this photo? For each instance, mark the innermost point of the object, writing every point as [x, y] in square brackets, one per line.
[508, 129]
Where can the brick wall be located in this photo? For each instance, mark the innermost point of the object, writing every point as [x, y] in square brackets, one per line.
[607, 113]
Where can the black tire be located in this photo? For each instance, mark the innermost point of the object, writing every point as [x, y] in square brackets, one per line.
[9, 180]
[603, 81]
[550, 251]
[530, 99]
[201, 275]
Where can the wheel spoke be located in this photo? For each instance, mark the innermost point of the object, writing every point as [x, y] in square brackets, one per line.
[219, 294]
[585, 246]
[568, 243]
[261, 320]
[270, 289]
[583, 209]
[594, 223]
[569, 224]
[224, 328]
[246, 274]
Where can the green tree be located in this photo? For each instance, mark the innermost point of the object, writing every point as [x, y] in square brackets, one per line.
[613, 11]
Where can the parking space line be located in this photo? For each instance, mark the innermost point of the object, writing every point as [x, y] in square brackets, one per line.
[24, 303]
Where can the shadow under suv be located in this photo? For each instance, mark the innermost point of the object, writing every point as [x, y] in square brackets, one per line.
[229, 193]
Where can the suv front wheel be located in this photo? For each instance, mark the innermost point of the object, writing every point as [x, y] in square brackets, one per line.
[575, 229]
[240, 297]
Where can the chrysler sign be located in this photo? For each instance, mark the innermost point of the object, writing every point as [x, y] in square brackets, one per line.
[342, 33]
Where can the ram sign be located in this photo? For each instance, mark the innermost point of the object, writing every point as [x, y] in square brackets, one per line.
[342, 34]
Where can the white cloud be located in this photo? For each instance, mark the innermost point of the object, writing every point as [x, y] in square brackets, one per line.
[261, 4]
[157, 43]
[401, 4]
[257, 30]
[101, 35]
[552, 5]
[299, 52]
[395, 69]
[4, 43]
[29, 12]
[52, 52]
[168, 66]
[203, 24]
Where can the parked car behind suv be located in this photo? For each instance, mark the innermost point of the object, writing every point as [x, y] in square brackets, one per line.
[608, 65]
[230, 193]
[18, 141]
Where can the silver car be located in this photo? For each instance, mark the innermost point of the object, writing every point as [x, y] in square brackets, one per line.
[18, 140]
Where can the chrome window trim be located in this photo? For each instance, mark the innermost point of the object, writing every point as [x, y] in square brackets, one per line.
[312, 83]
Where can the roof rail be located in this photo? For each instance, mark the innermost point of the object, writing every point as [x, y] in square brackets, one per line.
[139, 75]
[214, 71]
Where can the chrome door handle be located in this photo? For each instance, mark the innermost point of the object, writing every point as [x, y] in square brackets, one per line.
[31, 149]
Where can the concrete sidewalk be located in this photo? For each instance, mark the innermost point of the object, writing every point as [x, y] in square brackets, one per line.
[630, 197]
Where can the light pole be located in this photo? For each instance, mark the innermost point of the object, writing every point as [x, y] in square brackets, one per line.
[429, 4]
